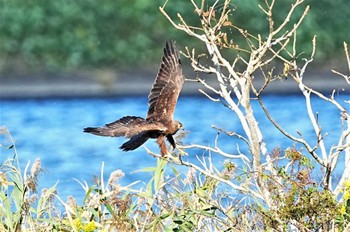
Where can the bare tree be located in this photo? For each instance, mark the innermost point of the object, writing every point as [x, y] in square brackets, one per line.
[236, 88]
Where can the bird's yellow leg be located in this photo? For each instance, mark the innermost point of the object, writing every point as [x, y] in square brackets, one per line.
[182, 152]
[175, 155]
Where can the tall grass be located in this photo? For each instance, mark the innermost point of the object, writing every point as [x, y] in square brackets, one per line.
[170, 201]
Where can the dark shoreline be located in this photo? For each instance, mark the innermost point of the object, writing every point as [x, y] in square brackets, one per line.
[140, 85]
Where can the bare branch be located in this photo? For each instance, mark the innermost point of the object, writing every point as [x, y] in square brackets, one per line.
[182, 27]
[235, 87]
[288, 17]
[346, 77]
[231, 133]
[229, 183]
[208, 96]
[347, 54]
[285, 133]
[216, 150]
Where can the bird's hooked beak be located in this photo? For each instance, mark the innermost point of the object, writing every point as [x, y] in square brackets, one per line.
[179, 126]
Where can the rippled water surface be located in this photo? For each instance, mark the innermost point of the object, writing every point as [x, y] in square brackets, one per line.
[51, 130]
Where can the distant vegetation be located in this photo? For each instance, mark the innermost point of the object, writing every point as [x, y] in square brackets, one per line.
[65, 34]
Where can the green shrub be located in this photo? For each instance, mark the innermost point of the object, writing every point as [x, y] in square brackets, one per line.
[66, 34]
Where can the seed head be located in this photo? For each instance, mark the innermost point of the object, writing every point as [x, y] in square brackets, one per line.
[36, 168]
[71, 202]
[115, 176]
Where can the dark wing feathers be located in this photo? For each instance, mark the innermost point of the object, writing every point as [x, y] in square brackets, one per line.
[135, 141]
[171, 140]
[121, 127]
[127, 126]
[167, 85]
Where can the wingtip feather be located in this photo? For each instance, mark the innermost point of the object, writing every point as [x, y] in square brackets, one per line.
[89, 129]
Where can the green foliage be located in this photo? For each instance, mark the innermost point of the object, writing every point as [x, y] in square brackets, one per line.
[171, 201]
[344, 216]
[72, 34]
[309, 206]
[79, 34]
[301, 201]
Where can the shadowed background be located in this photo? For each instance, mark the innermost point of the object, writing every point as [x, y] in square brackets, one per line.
[101, 44]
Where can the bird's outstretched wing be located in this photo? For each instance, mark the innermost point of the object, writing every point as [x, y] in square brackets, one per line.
[127, 126]
[167, 85]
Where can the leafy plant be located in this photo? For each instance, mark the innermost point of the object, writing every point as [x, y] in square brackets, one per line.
[22, 207]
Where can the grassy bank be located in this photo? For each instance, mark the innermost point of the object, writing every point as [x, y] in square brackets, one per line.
[177, 201]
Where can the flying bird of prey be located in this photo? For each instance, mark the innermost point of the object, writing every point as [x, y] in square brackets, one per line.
[159, 123]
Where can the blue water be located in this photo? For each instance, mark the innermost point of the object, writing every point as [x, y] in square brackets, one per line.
[51, 130]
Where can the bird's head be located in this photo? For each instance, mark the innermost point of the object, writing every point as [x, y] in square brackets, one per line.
[177, 125]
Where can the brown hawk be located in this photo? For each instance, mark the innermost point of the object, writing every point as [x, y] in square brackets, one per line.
[159, 123]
